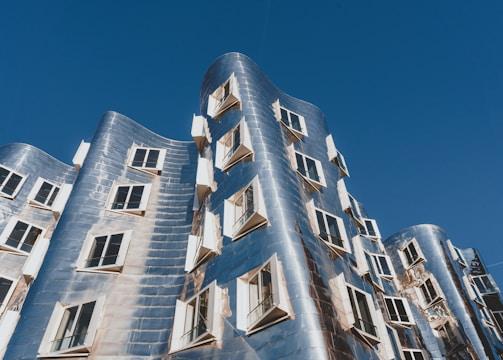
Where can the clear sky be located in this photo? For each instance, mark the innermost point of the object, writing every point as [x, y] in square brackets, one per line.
[412, 90]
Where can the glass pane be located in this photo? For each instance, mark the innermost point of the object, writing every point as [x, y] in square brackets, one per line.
[135, 198]
[236, 138]
[227, 90]
[311, 169]
[113, 249]
[120, 197]
[64, 337]
[321, 225]
[402, 313]
[413, 252]
[189, 321]
[335, 234]
[17, 234]
[53, 197]
[300, 164]
[391, 310]
[354, 206]
[266, 288]
[79, 335]
[3, 175]
[202, 316]
[431, 289]
[5, 285]
[370, 228]
[284, 117]
[426, 295]
[419, 356]
[139, 157]
[30, 239]
[11, 185]
[96, 251]
[366, 317]
[253, 295]
[295, 121]
[43, 193]
[385, 270]
[408, 355]
[153, 156]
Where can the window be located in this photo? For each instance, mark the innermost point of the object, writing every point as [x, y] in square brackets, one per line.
[399, 310]
[485, 283]
[310, 169]
[349, 203]
[147, 159]
[106, 252]
[204, 241]
[47, 195]
[7, 286]
[130, 198]
[473, 292]
[233, 147]
[449, 338]
[429, 292]
[262, 297]
[205, 183]
[411, 254]
[197, 320]
[244, 211]
[19, 236]
[336, 157]
[10, 182]
[294, 123]
[358, 309]
[224, 97]
[457, 254]
[370, 229]
[71, 329]
[200, 132]
[382, 265]
[331, 230]
[413, 354]
[498, 316]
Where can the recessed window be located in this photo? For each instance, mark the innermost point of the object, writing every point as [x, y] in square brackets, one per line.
[262, 297]
[233, 147]
[429, 292]
[370, 229]
[413, 354]
[224, 97]
[197, 319]
[19, 236]
[411, 254]
[485, 283]
[331, 230]
[336, 157]
[147, 159]
[105, 252]
[130, 198]
[204, 241]
[349, 204]
[7, 286]
[308, 168]
[382, 265]
[71, 329]
[47, 195]
[294, 123]
[10, 182]
[244, 211]
[398, 310]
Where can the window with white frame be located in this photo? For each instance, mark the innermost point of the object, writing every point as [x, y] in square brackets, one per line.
[370, 228]
[147, 159]
[7, 286]
[19, 236]
[373, 271]
[349, 204]
[457, 254]
[244, 211]
[10, 182]
[413, 354]
[294, 123]
[382, 265]
[473, 291]
[104, 252]
[335, 156]
[447, 335]
[233, 147]
[498, 316]
[197, 320]
[430, 292]
[204, 241]
[307, 167]
[46, 193]
[399, 310]
[331, 230]
[262, 297]
[130, 198]
[224, 97]
[71, 329]
[485, 283]
[411, 254]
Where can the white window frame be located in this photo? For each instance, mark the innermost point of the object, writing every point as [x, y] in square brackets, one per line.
[85, 251]
[336, 157]
[473, 291]
[498, 314]
[347, 200]
[9, 227]
[378, 266]
[406, 306]
[294, 133]
[214, 322]
[205, 243]
[434, 300]
[280, 308]
[143, 202]
[413, 352]
[8, 296]
[200, 131]
[403, 257]
[313, 183]
[151, 170]
[346, 248]
[19, 186]
[45, 348]
[233, 227]
[457, 254]
[485, 291]
[36, 189]
[217, 105]
[365, 227]
[224, 158]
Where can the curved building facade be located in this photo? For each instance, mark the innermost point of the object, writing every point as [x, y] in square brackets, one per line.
[243, 243]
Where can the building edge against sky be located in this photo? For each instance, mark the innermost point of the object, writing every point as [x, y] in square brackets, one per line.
[244, 243]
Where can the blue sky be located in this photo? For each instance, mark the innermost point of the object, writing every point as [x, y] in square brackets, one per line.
[412, 90]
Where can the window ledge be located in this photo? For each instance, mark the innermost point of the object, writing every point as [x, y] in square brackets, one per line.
[316, 185]
[240, 233]
[13, 251]
[255, 327]
[108, 269]
[132, 212]
[150, 171]
[294, 134]
[202, 340]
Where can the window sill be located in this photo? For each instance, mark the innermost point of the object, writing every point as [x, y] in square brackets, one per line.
[109, 269]
[240, 233]
[315, 185]
[294, 134]
[132, 212]
[202, 340]
[150, 171]
[259, 324]
[13, 251]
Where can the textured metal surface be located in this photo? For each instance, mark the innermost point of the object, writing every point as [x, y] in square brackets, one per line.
[449, 274]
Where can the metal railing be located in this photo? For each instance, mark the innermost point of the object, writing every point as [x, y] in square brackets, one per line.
[97, 261]
[194, 333]
[260, 309]
[68, 342]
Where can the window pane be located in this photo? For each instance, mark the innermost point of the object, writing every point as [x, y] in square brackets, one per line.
[227, 90]
[254, 295]
[333, 228]
[300, 164]
[85, 316]
[311, 169]
[408, 355]
[11, 185]
[370, 228]
[64, 336]
[419, 356]
[113, 249]
[402, 313]
[17, 234]
[295, 122]
[5, 285]
[236, 138]
[431, 289]
[284, 117]
[366, 317]
[426, 295]
[391, 310]
[3, 175]
[43, 193]
[354, 206]
[139, 157]
[321, 225]
[413, 253]
[96, 251]
[202, 316]
[153, 156]
[30, 239]
[384, 265]
[120, 197]
[53, 197]
[266, 288]
[135, 199]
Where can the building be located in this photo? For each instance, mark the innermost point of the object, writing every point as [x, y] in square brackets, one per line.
[244, 243]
